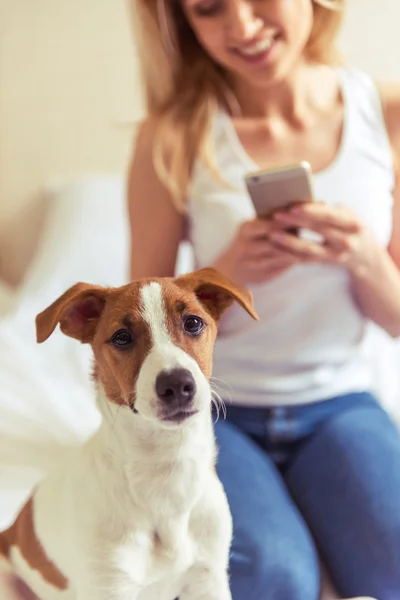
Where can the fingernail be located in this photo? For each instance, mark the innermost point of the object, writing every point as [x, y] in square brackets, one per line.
[276, 235]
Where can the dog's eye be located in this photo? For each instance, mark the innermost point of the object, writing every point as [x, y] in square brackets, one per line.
[193, 325]
[121, 338]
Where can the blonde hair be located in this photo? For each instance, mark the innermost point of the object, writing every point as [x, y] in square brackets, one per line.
[184, 87]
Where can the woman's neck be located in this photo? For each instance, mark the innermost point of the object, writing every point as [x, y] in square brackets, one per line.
[306, 88]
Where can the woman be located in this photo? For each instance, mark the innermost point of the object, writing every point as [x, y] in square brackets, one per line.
[308, 457]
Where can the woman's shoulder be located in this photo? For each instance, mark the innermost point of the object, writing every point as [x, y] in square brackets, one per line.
[387, 93]
[143, 138]
[390, 97]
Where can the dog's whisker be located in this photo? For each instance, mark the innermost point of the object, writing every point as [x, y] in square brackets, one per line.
[222, 394]
[216, 405]
[219, 403]
[222, 386]
[215, 390]
[223, 406]
[217, 379]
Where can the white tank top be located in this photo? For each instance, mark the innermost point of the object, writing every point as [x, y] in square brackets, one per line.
[308, 344]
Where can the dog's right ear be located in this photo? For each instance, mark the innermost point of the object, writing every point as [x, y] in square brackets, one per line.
[216, 292]
[77, 311]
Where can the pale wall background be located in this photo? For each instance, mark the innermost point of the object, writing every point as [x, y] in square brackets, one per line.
[69, 86]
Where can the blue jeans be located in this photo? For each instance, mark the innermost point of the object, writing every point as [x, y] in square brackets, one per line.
[326, 476]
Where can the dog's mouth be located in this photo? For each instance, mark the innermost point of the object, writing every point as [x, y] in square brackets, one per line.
[179, 416]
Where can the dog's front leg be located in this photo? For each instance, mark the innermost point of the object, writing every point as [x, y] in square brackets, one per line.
[106, 582]
[206, 583]
[112, 571]
[120, 590]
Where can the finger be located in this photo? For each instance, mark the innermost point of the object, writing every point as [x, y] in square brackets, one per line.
[267, 274]
[282, 261]
[263, 276]
[309, 251]
[256, 229]
[333, 215]
[338, 244]
[299, 247]
[282, 253]
[257, 249]
[316, 214]
[337, 239]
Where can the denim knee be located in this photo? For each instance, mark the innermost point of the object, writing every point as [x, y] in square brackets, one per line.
[282, 573]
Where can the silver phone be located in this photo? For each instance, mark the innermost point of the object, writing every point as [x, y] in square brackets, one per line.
[275, 189]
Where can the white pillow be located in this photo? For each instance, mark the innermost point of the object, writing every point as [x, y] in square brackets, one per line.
[85, 237]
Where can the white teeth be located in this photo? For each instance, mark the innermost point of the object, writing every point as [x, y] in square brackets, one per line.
[257, 48]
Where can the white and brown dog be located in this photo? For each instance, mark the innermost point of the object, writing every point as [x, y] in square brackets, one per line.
[137, 512]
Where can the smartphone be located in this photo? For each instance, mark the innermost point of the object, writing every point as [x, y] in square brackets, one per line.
[275, 189]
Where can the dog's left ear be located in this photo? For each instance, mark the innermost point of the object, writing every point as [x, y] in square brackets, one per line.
[77, 311]
[216, 292]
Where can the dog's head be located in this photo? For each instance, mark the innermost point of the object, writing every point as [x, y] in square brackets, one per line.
[152, 339]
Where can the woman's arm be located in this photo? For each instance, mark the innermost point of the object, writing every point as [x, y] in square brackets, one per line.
[390, 94]
[377, 289]
[375, 270]
[376, 285]
[375, 276]
[156, 226]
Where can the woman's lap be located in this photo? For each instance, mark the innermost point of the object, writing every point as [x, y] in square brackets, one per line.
[272, 551]
[346, 482]
[345, 478]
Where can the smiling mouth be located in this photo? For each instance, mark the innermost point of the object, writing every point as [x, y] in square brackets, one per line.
[179, 416]
[258, 49]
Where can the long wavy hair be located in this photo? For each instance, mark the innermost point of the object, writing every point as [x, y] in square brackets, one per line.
[183, 87]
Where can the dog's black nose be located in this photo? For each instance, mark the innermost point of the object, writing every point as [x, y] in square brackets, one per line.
[176, 388]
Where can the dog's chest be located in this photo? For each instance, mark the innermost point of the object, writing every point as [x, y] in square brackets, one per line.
[163, 553]
[169, 507]
[174, 549]
[156, 525]
[167, 491]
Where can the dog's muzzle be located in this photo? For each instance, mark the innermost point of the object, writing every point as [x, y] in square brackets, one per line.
[176, 390]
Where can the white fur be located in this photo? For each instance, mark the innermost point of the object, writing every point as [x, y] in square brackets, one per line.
[164, 356]
[137, 513]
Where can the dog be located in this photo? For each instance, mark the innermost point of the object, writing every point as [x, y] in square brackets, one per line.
[136, 512]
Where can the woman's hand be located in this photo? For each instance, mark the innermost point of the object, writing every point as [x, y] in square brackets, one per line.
[346, 240]
[251, 258]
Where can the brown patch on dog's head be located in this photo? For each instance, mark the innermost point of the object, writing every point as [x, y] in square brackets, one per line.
[110, 320]
[205, 294]
[77, 312]
[216, 292]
